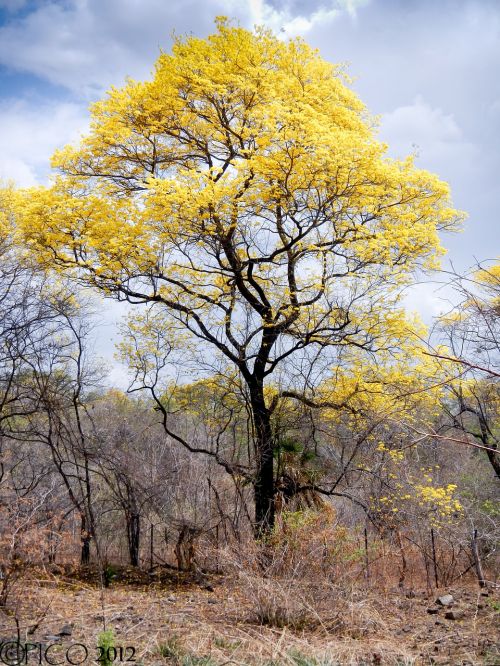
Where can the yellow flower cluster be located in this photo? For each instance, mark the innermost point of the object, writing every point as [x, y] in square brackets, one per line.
[396, 456]
[439, 499]
[410, 495]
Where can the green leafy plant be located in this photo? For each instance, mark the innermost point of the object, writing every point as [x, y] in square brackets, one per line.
[495, 605]
[226, 644]
[171, 648]
[109, 572]
[105, 641]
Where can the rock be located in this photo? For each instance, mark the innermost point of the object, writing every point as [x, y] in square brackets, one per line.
[66, 630]
[485, 593]
[454, 615]
[433, 610]
[52, 639]
[445, 600]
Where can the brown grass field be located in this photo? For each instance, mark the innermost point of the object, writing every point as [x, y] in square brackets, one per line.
[172, 618]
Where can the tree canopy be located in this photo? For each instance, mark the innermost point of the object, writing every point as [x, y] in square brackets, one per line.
[244, 194]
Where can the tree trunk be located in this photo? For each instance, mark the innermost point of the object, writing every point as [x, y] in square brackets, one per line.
[264, 477]
[185, 549]
[133, 536]
[494, 459]
[85, 540]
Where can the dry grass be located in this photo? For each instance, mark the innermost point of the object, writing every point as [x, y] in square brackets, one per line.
[262, 621]
[299, 599]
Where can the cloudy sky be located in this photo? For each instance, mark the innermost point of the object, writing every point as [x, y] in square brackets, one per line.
[429, 69]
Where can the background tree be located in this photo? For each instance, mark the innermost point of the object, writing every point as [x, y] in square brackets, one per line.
[243, 193]
[471, 332]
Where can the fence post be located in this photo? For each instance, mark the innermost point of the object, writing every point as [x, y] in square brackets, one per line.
[367, 560]
[434, 559]
[151, 554]
[477, 560]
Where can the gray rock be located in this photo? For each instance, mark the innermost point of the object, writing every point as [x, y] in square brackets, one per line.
[445, 600]
[52, 639]
[66, 630]
[433, 610]
[454, 615]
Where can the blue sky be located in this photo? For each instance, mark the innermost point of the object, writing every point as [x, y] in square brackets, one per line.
[429, 69]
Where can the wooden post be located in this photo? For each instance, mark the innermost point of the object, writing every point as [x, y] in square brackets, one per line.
[434, 559]
[477, 560]
[151, 554]
[217, 548]
[367, 560]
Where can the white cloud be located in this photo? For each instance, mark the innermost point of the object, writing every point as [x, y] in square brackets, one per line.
[428, 299]
[105, 335]
[30, 134]
[287, 21]
[432, 134]
[87, 45]
[352, 6]
[421, 120]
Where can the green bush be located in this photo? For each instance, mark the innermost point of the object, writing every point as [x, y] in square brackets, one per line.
[105, 641]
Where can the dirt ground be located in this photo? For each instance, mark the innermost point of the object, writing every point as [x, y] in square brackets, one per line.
[172, 619]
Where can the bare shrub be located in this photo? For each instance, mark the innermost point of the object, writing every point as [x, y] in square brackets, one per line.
[305, 575]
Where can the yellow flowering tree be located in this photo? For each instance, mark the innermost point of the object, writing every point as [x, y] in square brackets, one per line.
[243, 192]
